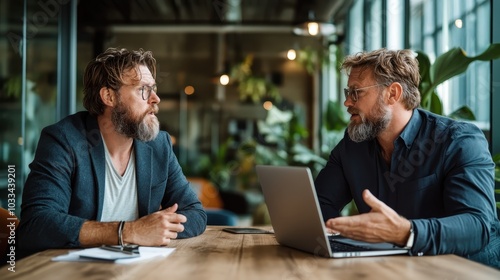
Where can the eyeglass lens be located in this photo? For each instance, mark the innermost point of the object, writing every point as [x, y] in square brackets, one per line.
[146, 91]
[352, 92]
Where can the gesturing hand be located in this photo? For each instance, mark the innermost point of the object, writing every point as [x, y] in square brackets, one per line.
[381, 224]
[156, 229]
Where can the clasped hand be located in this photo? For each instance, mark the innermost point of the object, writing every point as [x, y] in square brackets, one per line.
[381, 224]
[156, 229]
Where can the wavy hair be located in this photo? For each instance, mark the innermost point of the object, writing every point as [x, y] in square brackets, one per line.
[390, 66]
[107, 70]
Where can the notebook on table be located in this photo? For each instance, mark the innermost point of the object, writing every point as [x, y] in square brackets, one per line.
[297, 220]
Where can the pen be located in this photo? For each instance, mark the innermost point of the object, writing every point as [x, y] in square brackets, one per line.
[129, 249]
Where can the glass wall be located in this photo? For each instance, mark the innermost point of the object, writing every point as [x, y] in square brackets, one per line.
[28, 87]
[11, 96]
[438, 26]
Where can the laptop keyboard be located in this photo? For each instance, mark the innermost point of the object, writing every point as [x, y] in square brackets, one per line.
[341, 247]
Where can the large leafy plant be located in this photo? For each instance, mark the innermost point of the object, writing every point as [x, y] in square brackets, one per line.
[450, 64]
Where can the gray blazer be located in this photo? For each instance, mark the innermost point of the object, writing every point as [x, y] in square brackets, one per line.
[66, 185]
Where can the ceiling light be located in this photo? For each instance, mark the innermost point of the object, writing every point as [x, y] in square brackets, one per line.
[313, 28]
[224, 79]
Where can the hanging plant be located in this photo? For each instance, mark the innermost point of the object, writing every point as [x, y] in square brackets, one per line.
[250, 87]
[312, 59]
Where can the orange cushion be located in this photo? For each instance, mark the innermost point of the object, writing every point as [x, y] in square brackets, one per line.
[207, 193]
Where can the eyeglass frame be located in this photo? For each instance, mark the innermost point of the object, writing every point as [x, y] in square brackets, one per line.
[150, 89]
[354, 94]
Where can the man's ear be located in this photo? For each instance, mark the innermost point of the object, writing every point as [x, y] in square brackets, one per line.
[107, 96]
[395, 92]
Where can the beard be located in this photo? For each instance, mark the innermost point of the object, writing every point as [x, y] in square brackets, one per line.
[138, 127]
[370, 127]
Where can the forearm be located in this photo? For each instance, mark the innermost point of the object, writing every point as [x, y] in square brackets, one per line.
[460, 234]
[41, 229]
[94, 234]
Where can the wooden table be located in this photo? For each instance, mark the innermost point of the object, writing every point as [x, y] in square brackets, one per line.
[220, 255]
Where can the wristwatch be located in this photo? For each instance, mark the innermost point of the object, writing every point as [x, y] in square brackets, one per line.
[409, 243]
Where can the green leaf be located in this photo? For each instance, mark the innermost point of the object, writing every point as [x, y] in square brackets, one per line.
[334, 119]
[492, 52]
[455, 62]
[464, 113]
[449, 64]
[424, 64]
[496, 159]
[435, 105]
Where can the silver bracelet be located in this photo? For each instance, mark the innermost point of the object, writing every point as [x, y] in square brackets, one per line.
[120, 233]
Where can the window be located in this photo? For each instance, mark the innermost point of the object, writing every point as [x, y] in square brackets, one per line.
[436, 27]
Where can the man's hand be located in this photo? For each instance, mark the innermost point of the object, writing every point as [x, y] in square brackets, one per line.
[156, 229]
[381, 224]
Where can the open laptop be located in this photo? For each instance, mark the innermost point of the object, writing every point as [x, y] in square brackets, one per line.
[296, 217]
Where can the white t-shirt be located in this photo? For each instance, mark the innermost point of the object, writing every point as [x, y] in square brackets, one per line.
[120, 192]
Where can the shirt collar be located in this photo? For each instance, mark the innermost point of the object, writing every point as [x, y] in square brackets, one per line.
[411, 130]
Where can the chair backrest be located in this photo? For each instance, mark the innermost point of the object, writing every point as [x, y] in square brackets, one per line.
[8, 225]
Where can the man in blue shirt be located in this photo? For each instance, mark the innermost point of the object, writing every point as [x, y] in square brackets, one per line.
[419, 180]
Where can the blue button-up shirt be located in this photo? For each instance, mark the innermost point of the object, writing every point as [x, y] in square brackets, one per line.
[441, 177]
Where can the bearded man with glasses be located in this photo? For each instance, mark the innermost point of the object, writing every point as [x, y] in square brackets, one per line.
[108, 175]
[419, 180]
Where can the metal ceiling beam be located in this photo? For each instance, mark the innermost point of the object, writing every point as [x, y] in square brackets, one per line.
[200, 28]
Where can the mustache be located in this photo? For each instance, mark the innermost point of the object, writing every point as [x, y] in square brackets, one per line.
[154, 109]
[350, 110]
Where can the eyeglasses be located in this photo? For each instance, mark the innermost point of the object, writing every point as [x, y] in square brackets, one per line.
[146, 91]
[354, 92]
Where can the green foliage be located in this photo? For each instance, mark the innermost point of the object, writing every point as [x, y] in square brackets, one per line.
[312, 59]
[284, 134]
[251, 87]
[334, 116]
[496, 159]
[11, 90]
[446, 66]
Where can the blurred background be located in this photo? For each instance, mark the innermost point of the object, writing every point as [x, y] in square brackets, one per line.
[241, 82]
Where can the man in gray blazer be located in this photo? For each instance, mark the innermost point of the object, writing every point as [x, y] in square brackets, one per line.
[108, 176]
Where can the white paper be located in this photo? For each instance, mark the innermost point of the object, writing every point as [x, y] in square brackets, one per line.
[145, 253]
